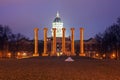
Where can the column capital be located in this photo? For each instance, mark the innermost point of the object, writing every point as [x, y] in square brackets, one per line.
[45, 28]
[72, 29]
[81, 28]
[63, 29]
[53, 28]
[36, 29]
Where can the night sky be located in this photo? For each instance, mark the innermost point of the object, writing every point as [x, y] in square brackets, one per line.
[94, 15]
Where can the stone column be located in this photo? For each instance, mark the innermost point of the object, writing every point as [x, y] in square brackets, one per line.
[54, 42]
[63, 40]
[82, 42]
[45, 42]
[72, 42]
[36, 42]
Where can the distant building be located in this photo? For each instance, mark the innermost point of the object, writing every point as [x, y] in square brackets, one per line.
[90, 47]
[58, 24]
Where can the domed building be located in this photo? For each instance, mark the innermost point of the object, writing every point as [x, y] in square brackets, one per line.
[58, 24]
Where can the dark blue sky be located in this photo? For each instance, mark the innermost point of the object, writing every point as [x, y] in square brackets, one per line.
[94, 15]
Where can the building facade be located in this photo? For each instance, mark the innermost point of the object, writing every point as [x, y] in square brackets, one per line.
[58, 25]
[90, 47]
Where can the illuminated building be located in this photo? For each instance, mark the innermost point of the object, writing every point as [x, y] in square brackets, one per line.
[58, 44]
[58, 24]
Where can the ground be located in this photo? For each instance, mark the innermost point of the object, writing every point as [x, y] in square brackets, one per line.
[55, 68]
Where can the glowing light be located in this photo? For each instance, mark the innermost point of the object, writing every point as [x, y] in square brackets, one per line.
[24, 54]
[104, 55]
[97, 55]
[113, 56]
[18, 54]
[58, 54]
[9, 55]
[61, 53]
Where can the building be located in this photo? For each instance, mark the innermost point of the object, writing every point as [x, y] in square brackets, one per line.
[58, 24]
[90, 47]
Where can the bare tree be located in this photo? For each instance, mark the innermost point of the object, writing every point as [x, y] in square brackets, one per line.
[110, 39]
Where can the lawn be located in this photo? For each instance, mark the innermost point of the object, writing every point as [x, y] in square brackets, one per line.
[55, 68]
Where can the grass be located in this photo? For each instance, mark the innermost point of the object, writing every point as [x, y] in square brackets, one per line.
[55, 68]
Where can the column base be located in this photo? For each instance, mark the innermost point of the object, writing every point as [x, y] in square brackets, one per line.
[44, 54]
[72, 54]
[82, 54]
[35, 55]
[53, 54]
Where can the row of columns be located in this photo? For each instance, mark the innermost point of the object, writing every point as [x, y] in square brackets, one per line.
[54, 42]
